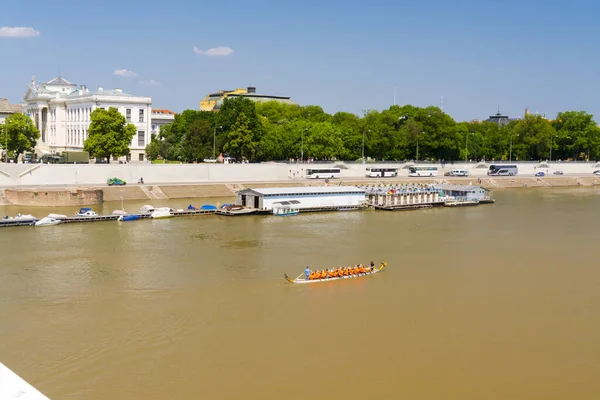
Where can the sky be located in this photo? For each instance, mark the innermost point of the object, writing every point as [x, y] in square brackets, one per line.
[342, 55]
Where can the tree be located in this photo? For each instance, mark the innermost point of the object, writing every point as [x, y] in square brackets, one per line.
[239, 139]
[20, 133]
[153, 148]
[577, 136]
[194, 146]
[109, 134]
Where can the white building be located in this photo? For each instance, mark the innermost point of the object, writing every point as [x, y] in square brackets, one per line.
[61, 111]
[308, 197]
[160, 118]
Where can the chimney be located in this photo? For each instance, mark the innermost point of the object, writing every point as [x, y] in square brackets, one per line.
[526, 111]
[251, 89]
[118, 90]
[100, 88]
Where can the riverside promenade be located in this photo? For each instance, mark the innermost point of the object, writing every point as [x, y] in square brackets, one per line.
[171, 181]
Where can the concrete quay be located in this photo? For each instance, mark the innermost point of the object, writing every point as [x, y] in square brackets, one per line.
[37, 175]
[182, 181]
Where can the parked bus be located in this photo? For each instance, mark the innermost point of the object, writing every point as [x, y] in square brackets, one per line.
[503, 170]
[422, 171]
[322, 173]
[458, 172]
[381, 172]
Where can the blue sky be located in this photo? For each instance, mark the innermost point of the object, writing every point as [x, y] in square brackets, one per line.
[343, 55]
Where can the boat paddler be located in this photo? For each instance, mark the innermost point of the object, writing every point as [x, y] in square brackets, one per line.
[307, 273]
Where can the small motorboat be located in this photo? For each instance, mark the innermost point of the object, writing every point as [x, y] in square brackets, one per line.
[162, 212]
[48, 221]
[128, 217]
[87, 212]
[146, 209]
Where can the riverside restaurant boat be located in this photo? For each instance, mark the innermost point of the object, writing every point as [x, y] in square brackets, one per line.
[302, 279]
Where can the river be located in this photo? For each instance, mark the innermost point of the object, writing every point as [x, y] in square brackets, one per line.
[492, 302]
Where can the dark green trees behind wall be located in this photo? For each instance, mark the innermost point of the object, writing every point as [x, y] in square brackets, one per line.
[252, 131]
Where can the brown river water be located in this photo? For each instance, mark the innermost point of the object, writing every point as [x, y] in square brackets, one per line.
[492, 302]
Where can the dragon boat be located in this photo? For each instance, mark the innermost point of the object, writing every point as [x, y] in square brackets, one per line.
[301, 278]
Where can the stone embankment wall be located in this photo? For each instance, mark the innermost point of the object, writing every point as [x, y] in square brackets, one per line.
[53, 197]
[34, 175]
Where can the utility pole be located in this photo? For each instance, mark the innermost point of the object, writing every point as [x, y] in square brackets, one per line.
[215, 141]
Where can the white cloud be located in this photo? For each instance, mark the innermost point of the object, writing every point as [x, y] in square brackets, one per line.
[18, 31]
[125, 72]
[215, 51]
[151, 82]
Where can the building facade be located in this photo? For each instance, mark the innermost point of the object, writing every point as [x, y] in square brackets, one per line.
[61, 111]
[160, 118]
[213, 101]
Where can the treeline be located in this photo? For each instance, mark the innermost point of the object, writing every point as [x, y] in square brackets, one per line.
[273, 131]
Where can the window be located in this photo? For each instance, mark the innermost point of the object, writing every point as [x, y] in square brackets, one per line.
[141, 116]
[141, 136]
[141, 157]
[128, 114]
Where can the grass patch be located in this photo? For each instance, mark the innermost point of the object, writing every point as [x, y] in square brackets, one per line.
[165, 162]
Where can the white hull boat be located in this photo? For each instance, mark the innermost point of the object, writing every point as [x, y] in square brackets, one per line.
[162, 212]
[48, 221]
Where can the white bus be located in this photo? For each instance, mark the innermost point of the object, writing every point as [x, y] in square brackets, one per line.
[422, 171]
[322, 173]
[503, 170]
[381, 172]
[458, 172]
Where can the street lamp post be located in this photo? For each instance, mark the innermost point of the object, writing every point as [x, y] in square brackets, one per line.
[302, 146]
[363, 145]
[215, 142]
[467, 145]
[510, 152]
[418, 146]
[551, 137]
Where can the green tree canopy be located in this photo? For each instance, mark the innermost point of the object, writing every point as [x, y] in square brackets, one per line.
[278, 131]
[109, 134]
[20, 133]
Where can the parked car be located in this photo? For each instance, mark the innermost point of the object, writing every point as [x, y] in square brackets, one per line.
[115, 181]
[540, 174]
[597, 172]
[559, 172]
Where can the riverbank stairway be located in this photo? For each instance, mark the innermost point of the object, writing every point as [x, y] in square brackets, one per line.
[154, 192]
[3, 200]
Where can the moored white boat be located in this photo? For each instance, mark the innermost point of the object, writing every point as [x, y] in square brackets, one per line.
[48, 221]
[302, 279]
[87, 212]
[162, 212]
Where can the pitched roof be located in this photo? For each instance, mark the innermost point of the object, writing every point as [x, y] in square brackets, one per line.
[7, 108]
[162, 111]
[60, 81]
